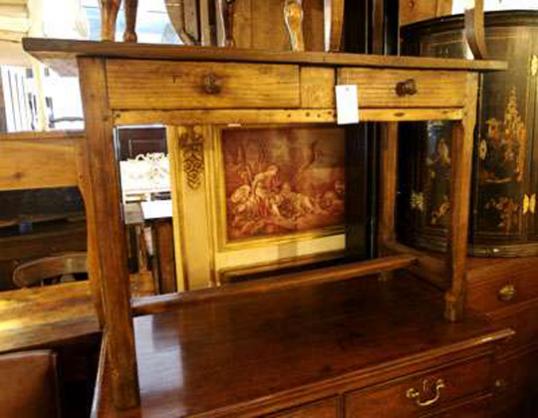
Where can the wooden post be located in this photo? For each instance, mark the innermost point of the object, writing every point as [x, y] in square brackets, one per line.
[131, 8]
[94, 268]
[387, 193]
[387, 189]
[109, 15]
[461, 154]
[108, 231]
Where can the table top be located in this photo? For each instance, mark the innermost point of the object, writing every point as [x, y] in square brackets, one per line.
[46, 316]
[263, 347]
[60, 49]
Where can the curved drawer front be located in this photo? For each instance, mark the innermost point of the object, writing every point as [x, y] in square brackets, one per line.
[428, 392]
[207, 85]
[502, 291]
[405, 88]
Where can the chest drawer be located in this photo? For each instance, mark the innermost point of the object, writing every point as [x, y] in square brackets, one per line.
[499, 287]
[327, 408]
[522, 320]
[404, 88]
[475, 408]
[192, 85]
[515, 378]
[428, 392]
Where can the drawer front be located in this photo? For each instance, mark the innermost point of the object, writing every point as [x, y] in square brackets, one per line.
[327, 408]
[403, 88]
[503, 290]
[516, 379]
[429, 392]
[523, 321]
[192, 85]
[476, 408]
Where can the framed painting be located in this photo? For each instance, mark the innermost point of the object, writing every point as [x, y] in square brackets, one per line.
[278, 184]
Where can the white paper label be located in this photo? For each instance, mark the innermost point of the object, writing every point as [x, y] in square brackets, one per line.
[347, 104]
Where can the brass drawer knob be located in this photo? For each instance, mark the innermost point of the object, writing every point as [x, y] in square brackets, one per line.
[211, 84]
[406, 88]
[507, 293]
[414, 394]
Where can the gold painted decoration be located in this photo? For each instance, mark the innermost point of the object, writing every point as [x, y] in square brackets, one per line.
[503, 157]
[529, 203]
[534, 65]
[509, 212]
[192, 148]
[440, 211]
[417, 201]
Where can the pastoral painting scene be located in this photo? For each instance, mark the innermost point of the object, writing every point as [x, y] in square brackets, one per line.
[282, 180]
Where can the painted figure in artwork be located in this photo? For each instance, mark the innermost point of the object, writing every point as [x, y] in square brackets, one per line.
[280, 181]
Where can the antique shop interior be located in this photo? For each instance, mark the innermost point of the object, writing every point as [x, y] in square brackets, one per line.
[269, 208]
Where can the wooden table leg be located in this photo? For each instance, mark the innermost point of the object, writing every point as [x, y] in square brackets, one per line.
[109, 15]
[108, 231]
[131, 8]
[387, 188]
[461, 154]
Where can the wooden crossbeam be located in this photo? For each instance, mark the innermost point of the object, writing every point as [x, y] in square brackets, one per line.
[163, 303]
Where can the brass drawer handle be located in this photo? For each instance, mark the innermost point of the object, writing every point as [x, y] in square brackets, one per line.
[414, 394]
[211, 84]
[507, 293]
[406, 88]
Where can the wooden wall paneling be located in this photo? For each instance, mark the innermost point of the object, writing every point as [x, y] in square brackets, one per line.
[163, 238]
[107, 226]
[28, 163]
[417, 10]
[259, 24]
[187, 147]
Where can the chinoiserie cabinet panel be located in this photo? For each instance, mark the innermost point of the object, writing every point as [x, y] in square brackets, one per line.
[505, 170]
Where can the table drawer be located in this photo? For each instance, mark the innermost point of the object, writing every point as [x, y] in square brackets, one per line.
[207, 85]
[327, 408]
[515, 382]
[404, 88]
[427, 392]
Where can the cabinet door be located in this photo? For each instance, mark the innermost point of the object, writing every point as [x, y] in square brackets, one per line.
[503, 145]
[531, 210]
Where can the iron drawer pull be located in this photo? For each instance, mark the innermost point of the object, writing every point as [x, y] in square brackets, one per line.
[406, 88]
[211, 84]
[414, 394]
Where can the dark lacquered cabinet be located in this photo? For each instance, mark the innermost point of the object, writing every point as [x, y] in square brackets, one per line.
[505, 171]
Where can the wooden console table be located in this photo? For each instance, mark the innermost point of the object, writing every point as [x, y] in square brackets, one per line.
[195, 88]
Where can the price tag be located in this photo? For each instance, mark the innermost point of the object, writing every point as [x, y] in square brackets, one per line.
[347, 104]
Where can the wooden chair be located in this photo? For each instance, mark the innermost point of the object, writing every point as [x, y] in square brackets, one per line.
[29, 383]
[34, 272]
